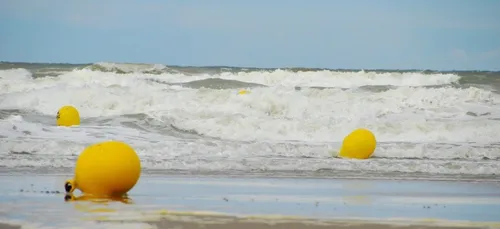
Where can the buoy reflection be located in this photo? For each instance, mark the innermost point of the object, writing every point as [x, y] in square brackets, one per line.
[69, 197]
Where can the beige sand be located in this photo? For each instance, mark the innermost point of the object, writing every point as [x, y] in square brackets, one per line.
[226, 222]
[215, 222]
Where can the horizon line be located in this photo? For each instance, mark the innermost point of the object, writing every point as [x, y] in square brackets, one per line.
[265, 68]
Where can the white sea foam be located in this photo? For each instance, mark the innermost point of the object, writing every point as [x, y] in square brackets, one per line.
[127, 68]
[325, 78]
[341, 79]
[277, 113]
[440, 124]
[35, 145]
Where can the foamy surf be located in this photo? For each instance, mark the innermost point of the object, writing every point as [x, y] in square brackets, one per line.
[192, 119]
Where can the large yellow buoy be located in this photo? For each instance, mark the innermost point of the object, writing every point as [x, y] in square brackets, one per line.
[68, 116]
[106, 169]
[359, 144]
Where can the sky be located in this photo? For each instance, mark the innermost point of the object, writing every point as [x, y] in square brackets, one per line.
[360, 34]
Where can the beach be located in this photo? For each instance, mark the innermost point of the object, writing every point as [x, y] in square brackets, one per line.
[165, 201]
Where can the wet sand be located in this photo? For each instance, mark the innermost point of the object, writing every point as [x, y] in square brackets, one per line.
[233, 223]
[168, 201]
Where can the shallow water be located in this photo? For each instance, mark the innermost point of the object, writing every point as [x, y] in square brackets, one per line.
[24, 200]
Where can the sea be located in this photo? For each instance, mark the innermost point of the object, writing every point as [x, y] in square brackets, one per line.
[192, 120]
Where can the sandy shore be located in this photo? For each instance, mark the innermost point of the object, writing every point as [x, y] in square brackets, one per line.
[37, 201]
[215, 222]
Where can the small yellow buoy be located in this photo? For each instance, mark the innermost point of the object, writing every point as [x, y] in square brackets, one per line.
[106, 169]
[243, 91]
[359, 144]
[68, 116]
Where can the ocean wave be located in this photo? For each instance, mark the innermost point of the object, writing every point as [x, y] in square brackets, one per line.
[59, 148]
[28, 143]
[278, 77]
[413, 114]
[123, 68]
[290, 120]
[212, 83]
[279, 112]
[294, 77]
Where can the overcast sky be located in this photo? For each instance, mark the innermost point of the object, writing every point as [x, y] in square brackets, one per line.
[394, 34]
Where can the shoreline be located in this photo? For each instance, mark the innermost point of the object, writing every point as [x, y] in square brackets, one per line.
[182, 200]
[207, 221]
[327, 174]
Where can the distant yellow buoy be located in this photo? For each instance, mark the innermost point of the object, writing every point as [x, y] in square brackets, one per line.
[359, 144]
[243, 91]
[106, 169]
[68, 116]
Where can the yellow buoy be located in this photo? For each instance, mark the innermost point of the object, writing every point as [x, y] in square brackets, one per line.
[106, 169]
[359, 144]
[243, 91]
[68, 116]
